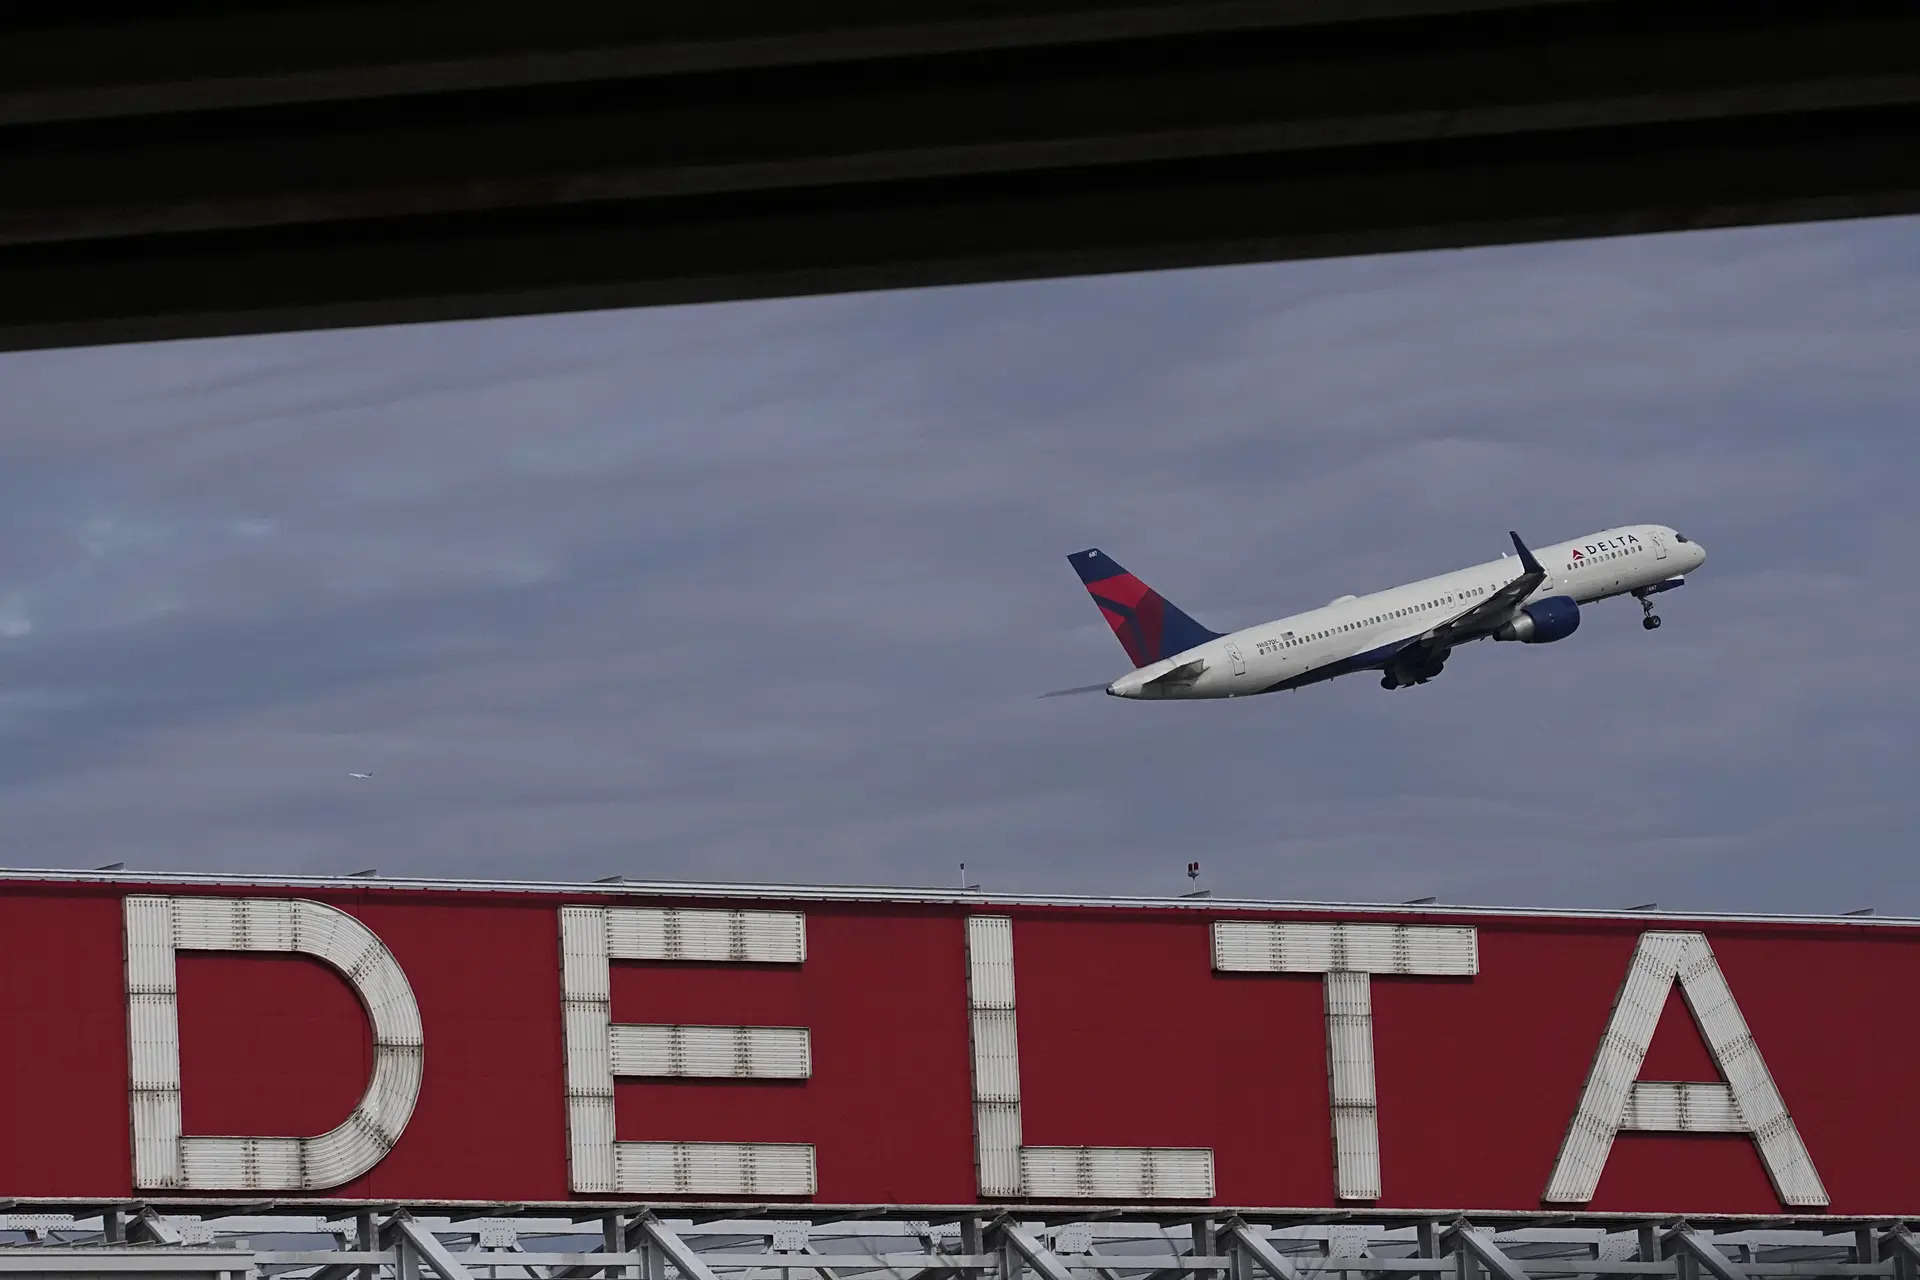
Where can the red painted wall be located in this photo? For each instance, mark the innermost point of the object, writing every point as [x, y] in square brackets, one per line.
[1126, 1038]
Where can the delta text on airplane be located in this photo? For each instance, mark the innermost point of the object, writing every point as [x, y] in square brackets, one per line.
[1405, 633]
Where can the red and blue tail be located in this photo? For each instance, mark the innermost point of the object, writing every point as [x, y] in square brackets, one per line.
[1150, 626]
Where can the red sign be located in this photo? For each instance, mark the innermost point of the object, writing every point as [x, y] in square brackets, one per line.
[432, 1044]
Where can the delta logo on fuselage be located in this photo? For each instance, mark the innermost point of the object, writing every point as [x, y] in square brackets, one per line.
[1606, 544]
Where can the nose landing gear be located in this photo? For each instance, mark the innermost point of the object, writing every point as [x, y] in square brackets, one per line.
[1650, 620]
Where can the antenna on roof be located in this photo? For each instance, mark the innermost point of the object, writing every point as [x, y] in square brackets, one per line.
[964, 886]
[1193, 874]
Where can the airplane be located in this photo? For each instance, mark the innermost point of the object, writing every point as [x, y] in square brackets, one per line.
[1406, 633]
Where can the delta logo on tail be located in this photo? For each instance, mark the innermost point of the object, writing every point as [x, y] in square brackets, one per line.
[1148, 626]
[1404, 633]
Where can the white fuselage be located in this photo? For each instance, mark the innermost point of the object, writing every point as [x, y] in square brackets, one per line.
[1351, 632]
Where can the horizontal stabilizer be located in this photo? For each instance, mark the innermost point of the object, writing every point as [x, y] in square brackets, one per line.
[1174, 675]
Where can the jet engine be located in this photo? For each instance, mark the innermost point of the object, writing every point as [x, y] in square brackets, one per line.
[1543, 621]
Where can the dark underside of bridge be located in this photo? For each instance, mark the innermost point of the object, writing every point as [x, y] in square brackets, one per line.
[173, 170]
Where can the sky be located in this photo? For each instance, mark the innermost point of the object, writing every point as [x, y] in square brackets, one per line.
[767, 591]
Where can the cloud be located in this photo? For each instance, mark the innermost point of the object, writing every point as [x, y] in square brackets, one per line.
[15, 621]
[765, 590]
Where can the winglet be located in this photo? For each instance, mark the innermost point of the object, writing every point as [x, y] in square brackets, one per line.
[1527, 561]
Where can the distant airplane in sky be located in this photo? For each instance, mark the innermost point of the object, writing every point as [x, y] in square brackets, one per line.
[1405, 633]
[359, 775]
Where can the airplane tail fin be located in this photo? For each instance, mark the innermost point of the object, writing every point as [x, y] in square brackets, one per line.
[1150, 627]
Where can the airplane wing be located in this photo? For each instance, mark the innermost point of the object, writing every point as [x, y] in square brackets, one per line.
[1491, 611]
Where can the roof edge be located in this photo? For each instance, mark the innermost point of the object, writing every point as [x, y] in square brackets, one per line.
[896, 894]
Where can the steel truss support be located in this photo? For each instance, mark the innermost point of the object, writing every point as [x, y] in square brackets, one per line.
[1247, 1241]
[1705, 1252]
[366, 1238]
[1031, 1251]
[418, 1240]
[632, 1242]
[609, 1243]
[148, 1224]
[1475, 1243]
[678, 1251]
[371, 1239]
[1900, 1245]
[825, 1273]
[1201, 1235]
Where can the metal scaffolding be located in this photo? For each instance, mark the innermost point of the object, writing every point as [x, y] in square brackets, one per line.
[741, 1242]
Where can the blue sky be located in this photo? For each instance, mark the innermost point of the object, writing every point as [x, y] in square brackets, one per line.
[767, 590]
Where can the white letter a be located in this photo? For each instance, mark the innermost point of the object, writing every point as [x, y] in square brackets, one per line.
[1615, 1098]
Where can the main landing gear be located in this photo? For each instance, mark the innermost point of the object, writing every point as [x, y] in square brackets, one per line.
[1650, 620]
[1404, 675]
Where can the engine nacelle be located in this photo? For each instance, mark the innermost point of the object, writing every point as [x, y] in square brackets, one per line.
[1543, 621]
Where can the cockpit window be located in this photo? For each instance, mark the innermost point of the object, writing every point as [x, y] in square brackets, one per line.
[1679, 537]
